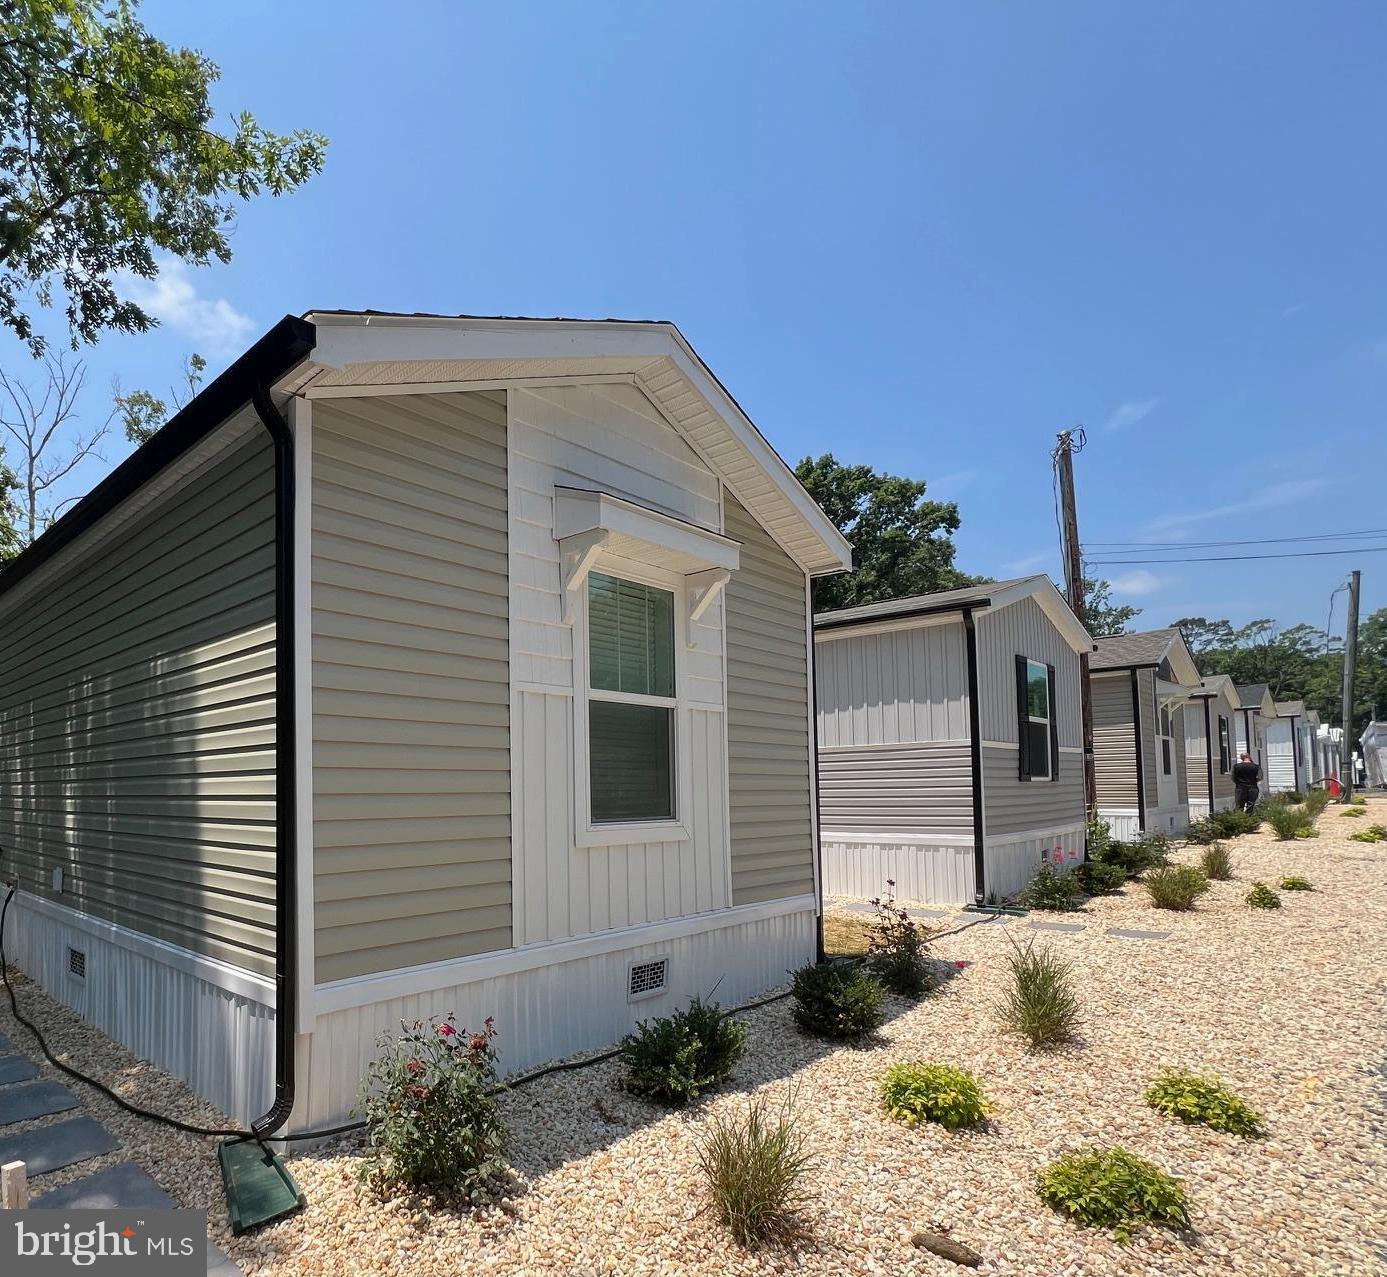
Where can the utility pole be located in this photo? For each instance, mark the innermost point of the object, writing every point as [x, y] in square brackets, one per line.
[1350, 670]
[1074, 588]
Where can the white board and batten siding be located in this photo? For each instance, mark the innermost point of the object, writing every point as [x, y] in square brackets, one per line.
[1281, 771]
[610, 439]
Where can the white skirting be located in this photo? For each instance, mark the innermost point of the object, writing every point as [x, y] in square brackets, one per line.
[1127, 828]
[154, 999]
[545, 1012]
[923, 873]
[1123, 822]
[1012, 864]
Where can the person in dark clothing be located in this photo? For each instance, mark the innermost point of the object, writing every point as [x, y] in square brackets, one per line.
[1246, 779]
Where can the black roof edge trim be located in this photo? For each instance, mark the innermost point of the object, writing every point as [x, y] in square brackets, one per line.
[288, 343]
[1122, 669]
[973, 605]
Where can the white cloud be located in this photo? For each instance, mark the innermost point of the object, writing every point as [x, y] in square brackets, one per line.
[1129, 413]
[1020, 567]
[1288, 311]
[1138, 583]
[212, 323]
[1272, 497]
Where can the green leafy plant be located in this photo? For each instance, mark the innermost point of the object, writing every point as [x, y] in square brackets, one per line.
[1294, 883]
[1288, 822]
[1216, 862]
[1316, 801]
[1135, 858]
[918, 1092]
[1199, 1099]
[675, 1058]
[1112, 1188]
[1175, 886]
[837, 1000]
[1235, 822]
[1098, 877]
[1373, 833]
[1204, 831]
[1039, 1001]
[431, 1121]
[1051, 890]
[756, 1165]
[1097, 837]
[1263, 897]
[1355, 812]
[896, 949]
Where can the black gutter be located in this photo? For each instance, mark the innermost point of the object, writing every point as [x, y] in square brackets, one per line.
[1141, 758]
[939, 610]
[975, 742]
[248, 380]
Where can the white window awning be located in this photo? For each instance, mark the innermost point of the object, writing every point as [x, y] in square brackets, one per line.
[588, 524]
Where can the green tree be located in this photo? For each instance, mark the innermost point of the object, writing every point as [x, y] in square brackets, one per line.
[901, 541]
[1102, 616]
[1371, 684]
[107, 155]
[143, 413]
[10, 541]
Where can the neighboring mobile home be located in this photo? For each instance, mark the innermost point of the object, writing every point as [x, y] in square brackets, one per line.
[1309, 748]
[950, 741]
[1285, 769]
[1256, 709]
[482, 684]
[1209, 717]
[1140, 684]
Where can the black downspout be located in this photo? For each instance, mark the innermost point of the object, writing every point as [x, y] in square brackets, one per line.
[286, 788]
[1141, 754]
[975, 741]
[1209, 753]
[820, 951]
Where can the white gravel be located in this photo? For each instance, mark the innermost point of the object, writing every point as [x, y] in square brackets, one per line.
[1287, 1006]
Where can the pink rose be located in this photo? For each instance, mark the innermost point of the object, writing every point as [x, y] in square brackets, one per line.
[447, 1031]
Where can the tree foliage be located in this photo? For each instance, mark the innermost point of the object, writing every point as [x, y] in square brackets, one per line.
[1101, 614]
[10, 541]
[107, 155]
[902, 542]
[142, 413]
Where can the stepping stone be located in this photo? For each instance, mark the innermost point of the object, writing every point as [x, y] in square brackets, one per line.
[38, 1099]
[52, 1147]
[4, 1043]
[1057, 926]
[1127, 934]
[927, 913]
[124, 1184]
[857, 908]
[17, 1068]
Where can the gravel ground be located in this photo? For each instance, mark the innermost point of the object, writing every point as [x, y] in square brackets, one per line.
[1287, 1006]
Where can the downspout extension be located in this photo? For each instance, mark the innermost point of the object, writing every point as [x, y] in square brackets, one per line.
[286, 798]
[975, 746]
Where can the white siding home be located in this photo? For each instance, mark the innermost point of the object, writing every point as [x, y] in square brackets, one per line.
[1210, 748]
[950, 741]
[419, 665]
[1140, 685]
[1309, 749]
[1285, 769]
[1256, 709]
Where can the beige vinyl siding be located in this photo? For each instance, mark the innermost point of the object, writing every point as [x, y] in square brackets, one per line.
[1181, 764]
[1013, 806]
[137, 703]
[917, 789]
[1146, 683]
[1023, 629]
[1223, 781]
[1114, 741]
[1197, 776]
[767, 718]
[411, 759]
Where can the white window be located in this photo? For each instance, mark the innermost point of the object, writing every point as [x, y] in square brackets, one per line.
[1038, 719]
[1167, 763]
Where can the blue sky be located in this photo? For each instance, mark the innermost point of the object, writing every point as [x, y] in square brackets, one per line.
[921, 236]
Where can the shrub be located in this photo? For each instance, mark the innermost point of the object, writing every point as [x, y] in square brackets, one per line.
[837, 1000]
[1136, 858]
[755, 1166]
[1051, 891]
[1294, 883]
[675, 1058]
[1204, 831]
[1204, 1101]
[1216, 862]
[919, 1092]
[1316, 801]
[1097, 837]
[1112, 1188]
[1039, 1002]
[1373, 833]
[1099, 877]
[1175, 886]
[1263, 897]
[431, 1122]
[1234, 822]
[1288, 822]
[1354, 811]
[896, 949]
[1293, 796]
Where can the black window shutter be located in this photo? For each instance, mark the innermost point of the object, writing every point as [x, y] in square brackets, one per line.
[1054, 727]
[1023, 721]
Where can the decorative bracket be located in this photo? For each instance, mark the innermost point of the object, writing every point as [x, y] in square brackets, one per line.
[703, 588]
[577, 554]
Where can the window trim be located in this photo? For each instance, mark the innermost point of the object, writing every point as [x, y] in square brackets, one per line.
[1048, 720]
[587, 833]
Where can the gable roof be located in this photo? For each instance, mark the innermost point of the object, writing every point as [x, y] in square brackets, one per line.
[991, 596]
[1290, 709]
[1215, 685]
[1251, 695]
[367, 351]
[1121, 651]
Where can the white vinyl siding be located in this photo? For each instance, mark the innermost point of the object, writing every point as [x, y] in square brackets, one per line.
[137, 716]
[1023, 629]
[411, 762]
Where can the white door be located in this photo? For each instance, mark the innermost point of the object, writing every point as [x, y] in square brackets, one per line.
[1167, 788]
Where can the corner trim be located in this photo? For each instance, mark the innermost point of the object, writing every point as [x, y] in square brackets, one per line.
[975, 749]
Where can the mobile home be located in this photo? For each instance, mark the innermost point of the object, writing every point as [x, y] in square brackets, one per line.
[1285, 769]
[950, 741]
[1256, 709]
[1209, 718]
[421, 664]
[1140, 684]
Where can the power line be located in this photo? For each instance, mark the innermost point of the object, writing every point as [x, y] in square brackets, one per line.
[1235, 558]
[1207, 545]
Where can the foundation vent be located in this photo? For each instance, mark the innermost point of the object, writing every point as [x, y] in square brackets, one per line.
[77, 963]
[645, 979]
